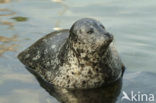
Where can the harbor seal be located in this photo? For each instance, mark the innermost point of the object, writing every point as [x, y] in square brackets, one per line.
[82, 57]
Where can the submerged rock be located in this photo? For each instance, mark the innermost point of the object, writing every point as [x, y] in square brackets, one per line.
[82, 57]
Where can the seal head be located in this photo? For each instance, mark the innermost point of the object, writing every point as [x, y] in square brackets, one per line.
[91, 34]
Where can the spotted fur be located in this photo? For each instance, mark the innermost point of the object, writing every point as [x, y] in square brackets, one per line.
[82, 57]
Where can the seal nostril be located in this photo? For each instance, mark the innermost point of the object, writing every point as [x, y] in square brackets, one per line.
[108, 35]
[102, 26]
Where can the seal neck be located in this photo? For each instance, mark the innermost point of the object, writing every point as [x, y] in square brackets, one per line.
[81, 53]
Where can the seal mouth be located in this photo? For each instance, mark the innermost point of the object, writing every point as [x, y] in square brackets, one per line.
[109, 37]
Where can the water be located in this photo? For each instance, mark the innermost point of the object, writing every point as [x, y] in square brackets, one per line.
[22, 22]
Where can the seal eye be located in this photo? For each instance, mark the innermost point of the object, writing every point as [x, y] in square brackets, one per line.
[90, 31]
[102, 26]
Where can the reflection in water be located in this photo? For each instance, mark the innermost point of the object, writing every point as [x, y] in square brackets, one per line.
[8, 39]
[5, 41]
[6, 12]
[58, 1]
[4, 1]
[106, 94]
[60, 13]
[4, 47]
[10, 24]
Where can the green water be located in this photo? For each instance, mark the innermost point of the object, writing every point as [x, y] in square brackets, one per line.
[22, 22]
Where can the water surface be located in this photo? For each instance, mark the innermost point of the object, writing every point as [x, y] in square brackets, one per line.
[22, 22]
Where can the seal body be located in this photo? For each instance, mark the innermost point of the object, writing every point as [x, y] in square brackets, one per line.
[82, 57]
